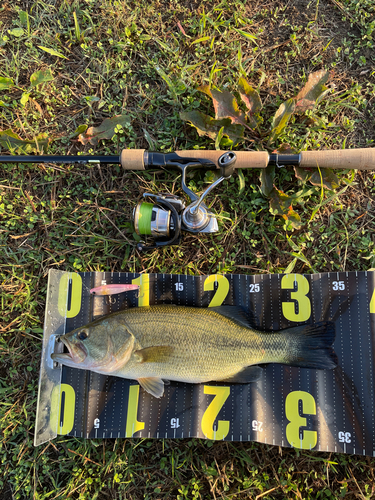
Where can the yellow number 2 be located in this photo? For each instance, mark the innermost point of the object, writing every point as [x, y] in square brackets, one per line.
[222, 288]
[221, 395]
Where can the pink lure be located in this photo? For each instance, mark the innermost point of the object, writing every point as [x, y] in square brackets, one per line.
[112, 289]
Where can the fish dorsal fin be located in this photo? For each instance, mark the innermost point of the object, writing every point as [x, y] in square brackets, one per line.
[152, 385]
[154, 354]
[237, 314]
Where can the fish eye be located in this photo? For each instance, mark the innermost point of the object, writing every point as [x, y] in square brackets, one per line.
[83, 335]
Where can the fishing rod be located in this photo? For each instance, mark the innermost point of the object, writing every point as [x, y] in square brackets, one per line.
[166, 216]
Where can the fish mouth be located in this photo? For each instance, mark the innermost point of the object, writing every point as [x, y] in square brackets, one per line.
[76, 353]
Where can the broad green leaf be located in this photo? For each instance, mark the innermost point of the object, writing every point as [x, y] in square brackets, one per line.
[6, 83]
[225, 105]
[281, 204]
[312, 92]
[205, 89]
[14, 143]
[281, 119]
[326, 178]
[252, 101]
[106, 130]
[24, 17]
[52, 52]
[24, 98]
[294, 218]
[206, 125]
[17, 32]
[210, 176]
[267, 176]
[40, 77]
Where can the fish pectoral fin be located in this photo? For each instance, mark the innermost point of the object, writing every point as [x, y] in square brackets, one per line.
[152, 385]
[245, 376]
[154, 354]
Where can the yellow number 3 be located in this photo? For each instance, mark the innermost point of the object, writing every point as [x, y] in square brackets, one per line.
[290, 312]
[308, 439]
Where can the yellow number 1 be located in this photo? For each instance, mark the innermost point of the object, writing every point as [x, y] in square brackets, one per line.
[144, 291]
[372, 303]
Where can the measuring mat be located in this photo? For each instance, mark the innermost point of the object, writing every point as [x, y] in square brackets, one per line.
[323, 410]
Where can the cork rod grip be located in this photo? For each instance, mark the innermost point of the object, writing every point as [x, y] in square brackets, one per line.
[361, 159]
[133, 159]
[245, 159]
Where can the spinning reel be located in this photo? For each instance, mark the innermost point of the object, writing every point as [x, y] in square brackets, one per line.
[167, 216]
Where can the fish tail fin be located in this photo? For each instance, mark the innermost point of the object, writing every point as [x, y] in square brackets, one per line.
[311, 346]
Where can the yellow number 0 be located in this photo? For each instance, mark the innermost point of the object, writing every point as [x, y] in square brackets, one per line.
[132, 424]
[309, 438]
[62, 423]
[76, 295]
[304, 304]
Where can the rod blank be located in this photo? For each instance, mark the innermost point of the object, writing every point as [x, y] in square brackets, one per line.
[134, 159]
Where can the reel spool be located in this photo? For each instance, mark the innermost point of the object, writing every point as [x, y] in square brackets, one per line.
[160, 220]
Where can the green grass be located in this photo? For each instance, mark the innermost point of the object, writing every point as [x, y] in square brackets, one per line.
[108, 58]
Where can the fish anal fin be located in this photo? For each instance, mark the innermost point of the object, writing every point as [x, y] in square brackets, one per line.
[245, 376]
[154, 354]
[152, 385]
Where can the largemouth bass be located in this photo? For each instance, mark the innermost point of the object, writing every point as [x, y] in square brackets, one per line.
[189, 344]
